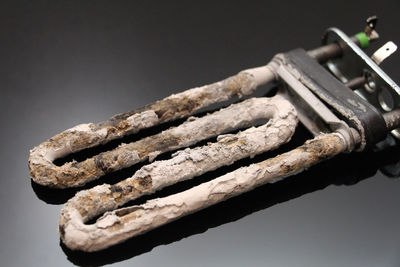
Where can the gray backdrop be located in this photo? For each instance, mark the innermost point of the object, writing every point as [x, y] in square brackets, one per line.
[68, 62]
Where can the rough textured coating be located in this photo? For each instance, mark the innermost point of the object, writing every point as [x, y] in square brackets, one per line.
[186, 164]
[119, 225]
[45, 172]
[243, 114]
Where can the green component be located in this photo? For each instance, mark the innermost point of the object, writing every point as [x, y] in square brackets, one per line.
[363, 38]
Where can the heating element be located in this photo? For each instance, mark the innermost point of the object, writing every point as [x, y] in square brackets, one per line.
[336, 91]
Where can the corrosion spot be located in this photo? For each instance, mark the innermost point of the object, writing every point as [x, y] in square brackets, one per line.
[61, 230]
[115, 188]
[145, 182]
[75, 164]
[122, 125]
[237, 82]
[178, 107]
[287, 168]
[123, 212]
[100, 163]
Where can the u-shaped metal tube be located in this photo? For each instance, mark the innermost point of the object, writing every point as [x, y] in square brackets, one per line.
[73, 174]
[184, 164]
[119, 225]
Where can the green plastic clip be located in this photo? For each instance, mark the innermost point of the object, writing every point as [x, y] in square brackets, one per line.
[363, 38]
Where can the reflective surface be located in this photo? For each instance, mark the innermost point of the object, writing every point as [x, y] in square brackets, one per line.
[65, 63]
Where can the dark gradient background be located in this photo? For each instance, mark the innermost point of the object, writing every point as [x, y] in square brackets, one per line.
[68, 62]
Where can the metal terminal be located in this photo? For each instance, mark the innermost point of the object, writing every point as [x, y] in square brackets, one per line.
[384, 52]
[371, 25]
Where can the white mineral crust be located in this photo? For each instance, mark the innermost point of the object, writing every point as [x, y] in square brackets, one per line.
[184, 164]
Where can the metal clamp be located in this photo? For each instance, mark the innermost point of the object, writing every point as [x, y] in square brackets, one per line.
[376, 87]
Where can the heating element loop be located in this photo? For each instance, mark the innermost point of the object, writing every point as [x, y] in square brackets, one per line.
[117, 225]
[122, 224]
[73, 174]
[185, 164]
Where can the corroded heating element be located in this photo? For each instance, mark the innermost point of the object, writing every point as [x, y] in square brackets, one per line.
[340, 119]
[72, 174]
[183, 165]
[121, 224]
[116, 224]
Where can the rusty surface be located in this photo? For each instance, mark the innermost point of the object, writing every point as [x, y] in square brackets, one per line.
[45, 172]
[78, 173]
[189, 163]
[122, 224]
[184, 104]
[117, 225]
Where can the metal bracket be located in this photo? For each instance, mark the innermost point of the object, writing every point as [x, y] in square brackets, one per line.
[378, 88]
[348, 108]
[312, 112]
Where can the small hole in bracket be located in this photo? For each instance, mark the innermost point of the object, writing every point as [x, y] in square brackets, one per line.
[385, 99]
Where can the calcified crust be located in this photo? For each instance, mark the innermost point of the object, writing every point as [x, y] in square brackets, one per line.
[45, 172]
[183, 165]
[119, 225]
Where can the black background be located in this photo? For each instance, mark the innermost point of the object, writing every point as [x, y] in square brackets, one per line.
[68, 62]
